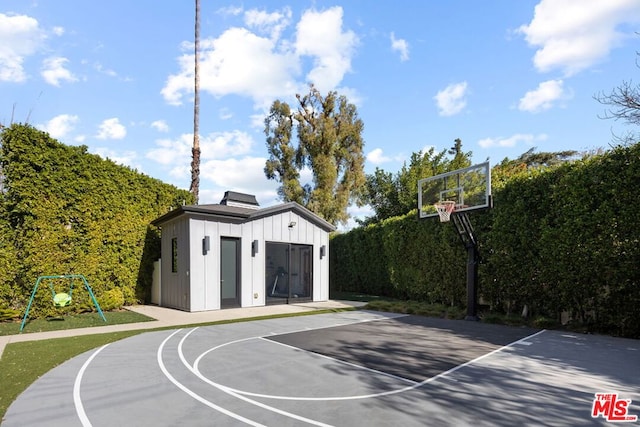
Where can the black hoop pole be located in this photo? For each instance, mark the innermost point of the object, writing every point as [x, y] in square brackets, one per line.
[465, 231]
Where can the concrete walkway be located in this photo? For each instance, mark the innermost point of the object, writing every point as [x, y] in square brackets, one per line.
[167, 317]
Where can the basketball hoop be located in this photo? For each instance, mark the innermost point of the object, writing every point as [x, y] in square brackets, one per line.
[444, 208]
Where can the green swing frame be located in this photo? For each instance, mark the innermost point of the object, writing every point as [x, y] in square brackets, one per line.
[61, 299]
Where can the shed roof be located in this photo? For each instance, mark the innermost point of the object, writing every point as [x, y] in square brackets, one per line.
[241, 215]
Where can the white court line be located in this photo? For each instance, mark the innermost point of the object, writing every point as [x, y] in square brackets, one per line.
[230, 392]
[385, 393]
[393, 316]
[77, 401]
[342, 362]
[477, 359]
[195, 395]
[294, 332]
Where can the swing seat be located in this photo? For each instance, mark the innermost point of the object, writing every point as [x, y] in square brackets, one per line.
[62, 299]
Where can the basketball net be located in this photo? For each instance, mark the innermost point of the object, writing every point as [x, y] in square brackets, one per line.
[444, 208]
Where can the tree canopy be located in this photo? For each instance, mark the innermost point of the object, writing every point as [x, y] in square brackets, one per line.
[392, 195]
[530, 163]
[329, 143]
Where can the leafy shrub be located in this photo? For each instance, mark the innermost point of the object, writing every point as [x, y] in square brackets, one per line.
[8, 314]
[66, 211]
[111, 299]
[562, 238]
[544, 322]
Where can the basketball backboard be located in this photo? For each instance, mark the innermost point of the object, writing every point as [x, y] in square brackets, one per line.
[469, 188]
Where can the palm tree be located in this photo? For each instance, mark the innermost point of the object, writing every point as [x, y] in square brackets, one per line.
[195, 150]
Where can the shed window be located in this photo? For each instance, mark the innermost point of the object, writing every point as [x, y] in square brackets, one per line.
[174, 255]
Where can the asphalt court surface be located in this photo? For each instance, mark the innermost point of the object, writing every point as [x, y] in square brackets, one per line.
[357, 368]
[411, 347]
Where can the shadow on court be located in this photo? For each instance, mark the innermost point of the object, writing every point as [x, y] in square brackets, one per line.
[547, 379]
[410, 347]
[235, 374]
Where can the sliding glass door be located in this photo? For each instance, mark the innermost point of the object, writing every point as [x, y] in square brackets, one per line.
[288, 273]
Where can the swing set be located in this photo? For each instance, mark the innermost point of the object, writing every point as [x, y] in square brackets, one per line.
[61, 299]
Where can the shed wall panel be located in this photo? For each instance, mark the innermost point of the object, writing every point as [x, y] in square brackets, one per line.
[196, 285]
[175, 292]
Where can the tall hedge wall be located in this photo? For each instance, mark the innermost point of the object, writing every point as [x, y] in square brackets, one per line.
[565, 239]
[65, 211]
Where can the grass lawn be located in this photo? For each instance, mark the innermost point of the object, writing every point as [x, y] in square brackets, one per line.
[24, 362]
[83, 320]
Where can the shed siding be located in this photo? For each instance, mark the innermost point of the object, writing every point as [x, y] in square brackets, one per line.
[196, 286]
[175, 291]
[205, 269]
[276, 229]
[204, 272]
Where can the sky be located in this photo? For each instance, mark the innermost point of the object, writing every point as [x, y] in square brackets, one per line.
[504, 76]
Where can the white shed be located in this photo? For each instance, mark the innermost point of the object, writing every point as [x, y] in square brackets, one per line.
[234, 254]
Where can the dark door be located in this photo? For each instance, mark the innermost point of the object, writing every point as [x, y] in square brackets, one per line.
[288, 273]
[229, 272]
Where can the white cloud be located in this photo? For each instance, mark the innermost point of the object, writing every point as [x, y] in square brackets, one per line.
[572, 35]
[543, 97]
[107, 71]
[320, 35]
[306, 175]
[126, 158]
[356, 212]
[172, 151]
[224, 114]
[230, 10]
[271, 24]
[245, 174]
[213, 146]
[257, 120]
[226, 144]
[241, 173]
[111, 129]
[58, 31]
[241, 61]
[160, 126]
[376, 157]
[511, 141]
[428, 148]
[237, 62]
[20, 37]
[54, 71]
[60, 126]
[451, 100]
[401, 46]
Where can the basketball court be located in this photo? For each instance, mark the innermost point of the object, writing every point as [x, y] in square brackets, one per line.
[357, 368]
[338, 369]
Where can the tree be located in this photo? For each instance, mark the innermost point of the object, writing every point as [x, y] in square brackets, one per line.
[421, 165]
[329, 143]
[195, 150]
[394, 195]
[382, 196]
[529, 163]
[460, 158]
[624, 104]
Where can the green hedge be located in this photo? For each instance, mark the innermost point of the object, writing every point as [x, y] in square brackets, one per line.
[66, 211]
[401, 257]
[559, 240]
